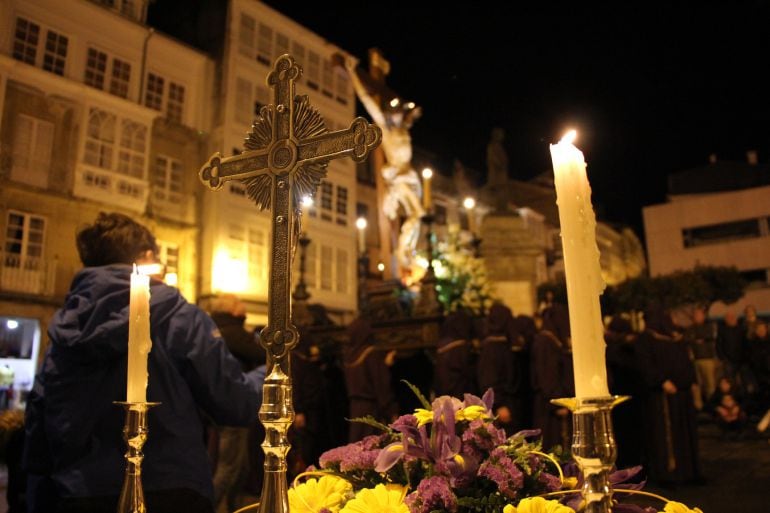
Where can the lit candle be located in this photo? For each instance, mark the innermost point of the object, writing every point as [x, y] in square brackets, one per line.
[581, 266]
[427, 174]
[361, 225]
[139, 343]
[469, 203]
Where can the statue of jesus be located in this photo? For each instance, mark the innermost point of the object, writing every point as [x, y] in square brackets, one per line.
[403, 186]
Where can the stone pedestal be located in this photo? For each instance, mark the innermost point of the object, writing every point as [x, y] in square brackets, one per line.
[513, 248]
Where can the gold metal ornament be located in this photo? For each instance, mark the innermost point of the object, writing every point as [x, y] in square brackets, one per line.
[135, 434]
[285, 158]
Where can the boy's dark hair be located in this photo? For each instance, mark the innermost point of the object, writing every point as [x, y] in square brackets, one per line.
[113, 239]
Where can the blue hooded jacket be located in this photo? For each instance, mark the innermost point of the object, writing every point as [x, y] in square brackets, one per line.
[74, 431]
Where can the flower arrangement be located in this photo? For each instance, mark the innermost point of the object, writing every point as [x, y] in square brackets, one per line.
[450, 457]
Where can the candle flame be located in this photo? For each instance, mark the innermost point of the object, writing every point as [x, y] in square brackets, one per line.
[361, 223]
[569, 137]
[469, 203]
[427, 173]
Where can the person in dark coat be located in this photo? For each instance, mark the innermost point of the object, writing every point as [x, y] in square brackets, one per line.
[625, 379]
[671, 438]
[454, 375]
[309, 394]
[501, 368]
[74, 448]
[730, 347]
[552, 377]
[232, 456]
[368, 382]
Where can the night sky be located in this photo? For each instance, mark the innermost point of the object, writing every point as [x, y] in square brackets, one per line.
[651, 89]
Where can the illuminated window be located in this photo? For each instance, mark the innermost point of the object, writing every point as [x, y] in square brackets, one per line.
[257, 255]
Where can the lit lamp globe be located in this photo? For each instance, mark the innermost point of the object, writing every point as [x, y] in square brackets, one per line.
[307, 203]
[427, 174]
[361, 225]
[470, 203]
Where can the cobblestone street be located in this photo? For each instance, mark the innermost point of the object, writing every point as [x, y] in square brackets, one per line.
[737, 474]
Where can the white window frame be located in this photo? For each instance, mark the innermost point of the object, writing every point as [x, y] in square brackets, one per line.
[32, 150]
[22, 258]
[116, 147]
[41, 52]
[163, 100]
[247, 35]
[265, 35]
[111, 78]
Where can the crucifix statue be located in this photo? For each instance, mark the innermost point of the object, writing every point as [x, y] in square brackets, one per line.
[285, 158]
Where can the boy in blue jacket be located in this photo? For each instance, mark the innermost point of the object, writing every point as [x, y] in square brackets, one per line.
[74, 449]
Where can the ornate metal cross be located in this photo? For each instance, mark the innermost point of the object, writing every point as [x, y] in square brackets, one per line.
[285, 158]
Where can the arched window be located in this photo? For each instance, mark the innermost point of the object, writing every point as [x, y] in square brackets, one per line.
[100, 139]
[133, 143]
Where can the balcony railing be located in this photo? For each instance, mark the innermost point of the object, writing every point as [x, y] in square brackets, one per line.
[29, 275]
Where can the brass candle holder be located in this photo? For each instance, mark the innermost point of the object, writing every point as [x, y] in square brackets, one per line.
[135, 434]
[594, 447]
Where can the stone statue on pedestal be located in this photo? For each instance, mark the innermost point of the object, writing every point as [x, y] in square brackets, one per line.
[497, 159]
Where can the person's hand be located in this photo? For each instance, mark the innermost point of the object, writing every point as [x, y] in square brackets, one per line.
[562, 412]
[669, 387]
[503, 415]
[299, 421]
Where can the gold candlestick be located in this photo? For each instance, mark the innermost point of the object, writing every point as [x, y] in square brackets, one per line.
[593, 447]
[135, 434]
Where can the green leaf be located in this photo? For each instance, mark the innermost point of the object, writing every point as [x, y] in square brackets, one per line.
[371, 421]
[416, 392]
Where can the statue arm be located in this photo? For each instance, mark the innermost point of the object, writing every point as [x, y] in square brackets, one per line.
[371, 106]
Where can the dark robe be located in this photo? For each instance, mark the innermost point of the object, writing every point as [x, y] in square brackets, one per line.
[368, 381]
[552, 377]
[671, 438]
[453, 374]
[500, 365]
[730, 349]
[625, 379]
[309, 400]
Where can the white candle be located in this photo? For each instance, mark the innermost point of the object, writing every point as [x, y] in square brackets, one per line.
[427, 174]
[139, 343]
[581, 266]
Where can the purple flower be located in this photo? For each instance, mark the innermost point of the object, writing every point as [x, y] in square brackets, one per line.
[433, 493]
[550, 481]
[404, 420]
[501, 470]
[356, 456]
[481, 437]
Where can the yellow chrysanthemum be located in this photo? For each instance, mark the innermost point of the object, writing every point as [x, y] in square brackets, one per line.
[678, 507]
[538, 505]
[329, 492]
[380, 499]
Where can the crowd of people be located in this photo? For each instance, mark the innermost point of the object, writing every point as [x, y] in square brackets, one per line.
[207, 371]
